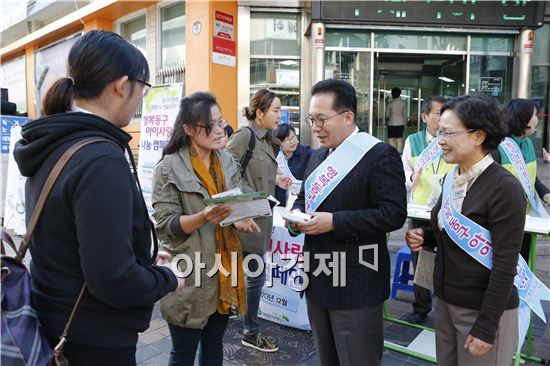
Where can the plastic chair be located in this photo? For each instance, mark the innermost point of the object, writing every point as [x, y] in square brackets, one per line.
[401, 275]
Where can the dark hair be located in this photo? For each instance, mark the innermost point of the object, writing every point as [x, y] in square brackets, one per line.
[427, 105]
[261, 100]
[229, 130]
[283, 131]
[479, 112]
[95, 60]
[517, 115]
[344, 94]
[194, 110]
[395, 93]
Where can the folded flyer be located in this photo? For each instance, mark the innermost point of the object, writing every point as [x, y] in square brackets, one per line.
[244, 205]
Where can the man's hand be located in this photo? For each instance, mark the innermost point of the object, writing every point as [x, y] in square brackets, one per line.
[545, 155]
[162, 258]
[415, 239]
[476, 346]
[320, 223]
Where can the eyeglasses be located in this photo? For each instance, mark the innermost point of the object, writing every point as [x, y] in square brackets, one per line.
[320, 121]
[291, 139]
[447, 136]
[146, 86]
[221, 124]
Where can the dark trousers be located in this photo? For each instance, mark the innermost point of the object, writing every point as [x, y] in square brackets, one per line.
[185, 342]
[347, 336]
[86, 355]
[526, 247]
[422, 298]
[254, 287]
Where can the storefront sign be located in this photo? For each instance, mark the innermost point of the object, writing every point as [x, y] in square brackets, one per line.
[490, 85]
[8, 122]
[160, 108]
[223, 45]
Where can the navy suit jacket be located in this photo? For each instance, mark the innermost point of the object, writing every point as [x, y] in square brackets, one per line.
[297, 164]
[367, 204]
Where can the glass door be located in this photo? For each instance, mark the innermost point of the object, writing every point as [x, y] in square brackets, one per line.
[409, 83]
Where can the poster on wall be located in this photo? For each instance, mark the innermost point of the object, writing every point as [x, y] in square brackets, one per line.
[280, 300]
[50, 64]
[13, 183]
[160, 108]
[14, 79]
[223, 42]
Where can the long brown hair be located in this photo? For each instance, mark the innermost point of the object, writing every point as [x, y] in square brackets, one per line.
[194, 109]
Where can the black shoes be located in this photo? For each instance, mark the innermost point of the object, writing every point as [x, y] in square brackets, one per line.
[416, 318]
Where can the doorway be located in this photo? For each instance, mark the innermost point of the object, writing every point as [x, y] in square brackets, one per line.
[419, 76]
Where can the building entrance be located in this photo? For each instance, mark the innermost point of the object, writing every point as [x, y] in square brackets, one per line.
[419, 76]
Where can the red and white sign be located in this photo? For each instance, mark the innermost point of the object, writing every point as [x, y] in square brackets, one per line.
[223, 45]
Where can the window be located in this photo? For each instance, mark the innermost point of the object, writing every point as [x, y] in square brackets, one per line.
[14, 79]
[492, 44]
[540, 85]
[492, 75]
[135, 32]
[275, 60]
[172, 34]
[420, 41]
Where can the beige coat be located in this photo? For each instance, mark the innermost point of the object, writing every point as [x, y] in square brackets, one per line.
[260, 175]
[178, 191]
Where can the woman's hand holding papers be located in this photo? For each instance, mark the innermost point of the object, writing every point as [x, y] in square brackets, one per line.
[247, 226]
[216, 213]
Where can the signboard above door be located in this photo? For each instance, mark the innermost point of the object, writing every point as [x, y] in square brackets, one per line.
[478, 14]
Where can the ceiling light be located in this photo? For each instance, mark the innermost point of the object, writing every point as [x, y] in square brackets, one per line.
[289, 62]
[446, 79]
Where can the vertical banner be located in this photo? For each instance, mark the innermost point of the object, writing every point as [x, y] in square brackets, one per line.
[280, 300]
[160, 108]
[14, 203]
[223, 42]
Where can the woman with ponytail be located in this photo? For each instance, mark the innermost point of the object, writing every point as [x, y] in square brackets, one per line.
[94, 228]
[259, 171]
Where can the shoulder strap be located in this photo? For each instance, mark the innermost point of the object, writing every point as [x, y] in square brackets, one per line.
[48, 187]
[248, 155]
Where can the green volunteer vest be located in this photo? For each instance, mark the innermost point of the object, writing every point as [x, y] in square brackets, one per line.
[424, 186]
[528, 152]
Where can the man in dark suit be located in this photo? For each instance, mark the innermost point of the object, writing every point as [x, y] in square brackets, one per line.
[368, 203]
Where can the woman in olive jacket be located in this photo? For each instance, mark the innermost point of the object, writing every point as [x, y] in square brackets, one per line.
[193, 169]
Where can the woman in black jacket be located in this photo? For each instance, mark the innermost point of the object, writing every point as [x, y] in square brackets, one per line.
[476, 316]
[296, 156]
[94, 227]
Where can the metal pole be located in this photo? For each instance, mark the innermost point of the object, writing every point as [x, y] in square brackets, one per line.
[525, 55]
[317, 62]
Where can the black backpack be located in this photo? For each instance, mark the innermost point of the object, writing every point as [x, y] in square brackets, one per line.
[248, 155]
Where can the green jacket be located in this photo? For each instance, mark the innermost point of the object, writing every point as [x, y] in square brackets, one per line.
[178, 191]
[260, 175]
